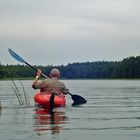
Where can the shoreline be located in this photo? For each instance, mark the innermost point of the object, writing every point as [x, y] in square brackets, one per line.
[29, 78]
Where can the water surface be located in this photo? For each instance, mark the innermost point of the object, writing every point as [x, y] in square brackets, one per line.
[112, 112]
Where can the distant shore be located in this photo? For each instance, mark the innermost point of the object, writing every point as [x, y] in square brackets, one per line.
[128, 68]
[29, 78]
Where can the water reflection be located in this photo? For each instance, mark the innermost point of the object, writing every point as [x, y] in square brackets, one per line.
[45, 121]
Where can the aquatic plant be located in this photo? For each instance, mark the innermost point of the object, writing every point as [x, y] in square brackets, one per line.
[26, 97]
[22, 97]
[0, 108]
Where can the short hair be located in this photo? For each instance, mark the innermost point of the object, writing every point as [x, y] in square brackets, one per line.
[55, 73]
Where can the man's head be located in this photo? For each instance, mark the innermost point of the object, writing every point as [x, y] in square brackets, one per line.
[55, 73]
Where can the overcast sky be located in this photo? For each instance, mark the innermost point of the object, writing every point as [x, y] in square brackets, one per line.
[56, 32]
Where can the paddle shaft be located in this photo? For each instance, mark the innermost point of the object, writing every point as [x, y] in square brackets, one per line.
[36, 69]
[69, 93]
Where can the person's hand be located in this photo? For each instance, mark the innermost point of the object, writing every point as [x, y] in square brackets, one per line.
[38, 74]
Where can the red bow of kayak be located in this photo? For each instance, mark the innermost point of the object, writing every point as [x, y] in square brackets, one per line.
[43, 99]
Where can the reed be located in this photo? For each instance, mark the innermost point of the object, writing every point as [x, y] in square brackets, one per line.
[0, 108]
[26, 97]
[21, 95]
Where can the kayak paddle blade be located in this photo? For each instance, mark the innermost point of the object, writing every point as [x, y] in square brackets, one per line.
[78, 100]
[16, 56]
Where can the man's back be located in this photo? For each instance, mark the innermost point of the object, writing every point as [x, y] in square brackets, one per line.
[51, 85]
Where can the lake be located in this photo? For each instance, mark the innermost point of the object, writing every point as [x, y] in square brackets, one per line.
[111, 113]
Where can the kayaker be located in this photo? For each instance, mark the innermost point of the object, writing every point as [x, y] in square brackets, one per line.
[52, 85]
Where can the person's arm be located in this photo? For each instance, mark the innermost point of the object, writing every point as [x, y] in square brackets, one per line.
[64, 89]
[36, 83]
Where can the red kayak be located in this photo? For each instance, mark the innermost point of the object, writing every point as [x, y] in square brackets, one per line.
[43, 99]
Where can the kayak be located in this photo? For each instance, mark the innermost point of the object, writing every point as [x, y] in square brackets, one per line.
[43, 99]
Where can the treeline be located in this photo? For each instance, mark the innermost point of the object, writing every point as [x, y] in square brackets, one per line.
[127, 68]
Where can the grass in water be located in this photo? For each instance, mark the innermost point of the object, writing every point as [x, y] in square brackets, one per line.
[22, 97]
[26, 97]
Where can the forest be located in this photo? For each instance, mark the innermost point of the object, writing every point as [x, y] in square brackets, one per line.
[127, 68]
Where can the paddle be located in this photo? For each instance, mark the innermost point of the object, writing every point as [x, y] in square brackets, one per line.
[20, 59]
[76, 98]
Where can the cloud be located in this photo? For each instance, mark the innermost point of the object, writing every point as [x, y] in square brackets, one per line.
[70, 30]
[70, 19]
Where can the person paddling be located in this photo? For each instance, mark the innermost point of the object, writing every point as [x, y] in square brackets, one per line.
[52, 85]
[37, 84]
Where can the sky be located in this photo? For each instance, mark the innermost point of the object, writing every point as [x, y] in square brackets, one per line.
[58, 32]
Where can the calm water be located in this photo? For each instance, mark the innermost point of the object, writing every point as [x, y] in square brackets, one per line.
[112, 112]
